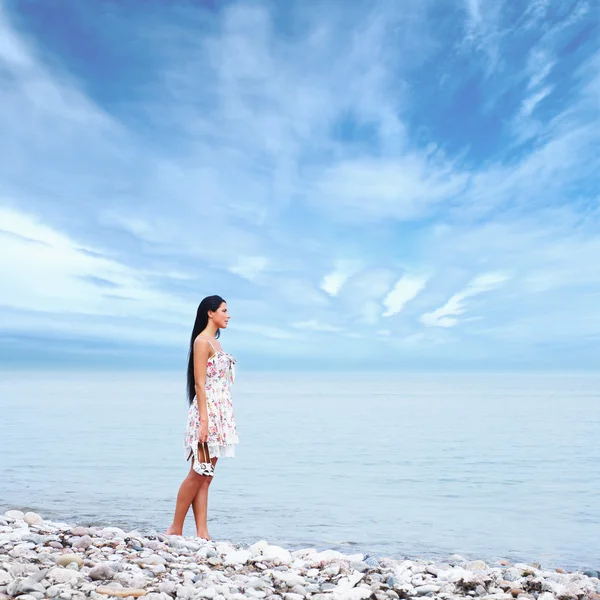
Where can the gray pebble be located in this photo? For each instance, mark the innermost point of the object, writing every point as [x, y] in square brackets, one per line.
[101, 572]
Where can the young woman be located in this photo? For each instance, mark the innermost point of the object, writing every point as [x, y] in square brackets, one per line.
[211, 431]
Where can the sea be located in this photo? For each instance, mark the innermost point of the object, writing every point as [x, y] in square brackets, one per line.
[489, 466]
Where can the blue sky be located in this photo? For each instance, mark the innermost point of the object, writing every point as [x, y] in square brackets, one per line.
[370, 185]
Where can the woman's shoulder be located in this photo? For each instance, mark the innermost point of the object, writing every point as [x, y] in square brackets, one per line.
[202, 343]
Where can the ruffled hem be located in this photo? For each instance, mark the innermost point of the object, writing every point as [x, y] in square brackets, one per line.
[217, 451]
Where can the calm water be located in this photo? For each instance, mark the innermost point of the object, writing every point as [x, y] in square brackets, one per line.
[488, 466]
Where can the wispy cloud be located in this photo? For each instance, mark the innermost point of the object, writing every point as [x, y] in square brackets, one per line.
[249, 267]
[404, 291]
[447, 315]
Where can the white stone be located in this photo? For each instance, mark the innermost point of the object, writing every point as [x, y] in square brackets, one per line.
[427, 589]
[331, 571]
[258, 547]
[256, 582]
[476, 565]
[32, 518]
[359, 593]
[157, 569]
[5, 578]
[275, 552]
[15, 514]
[154, 559]
[546, 596]
[82, 543]
[60, 575]
[185, 591]
[115, 532]
[455, 574]
[252, 593]
[224, 548]
[238, 557]
[457, 558]
[290, 579]
[167, 587]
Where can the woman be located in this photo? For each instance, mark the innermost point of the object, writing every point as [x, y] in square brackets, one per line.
[211, 431]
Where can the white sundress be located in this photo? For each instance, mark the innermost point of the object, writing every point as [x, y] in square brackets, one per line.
[222, 431]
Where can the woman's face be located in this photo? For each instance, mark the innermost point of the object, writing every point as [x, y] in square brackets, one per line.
[221, 316]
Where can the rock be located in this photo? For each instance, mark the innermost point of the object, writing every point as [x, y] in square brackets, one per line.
[154, 559]
[66, 559]
[120, 592]
[272, 553]
[158, 569]
[101, 572]
[60, 575]
[5, 578]
[167, 587]
[82, 543]
[290, 579]
[422, 590]
[17, 515]
[32, 518]
[372, 562]
[476, 565]
[29, 585]
[39, 576]
[512, 574]
[360, 566]
[591, 573]
[457, 558]
[546, 596]
[238, 557]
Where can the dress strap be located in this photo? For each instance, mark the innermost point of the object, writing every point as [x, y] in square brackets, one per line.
[208, 339]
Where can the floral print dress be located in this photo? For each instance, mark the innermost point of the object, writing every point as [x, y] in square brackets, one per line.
[222, 432]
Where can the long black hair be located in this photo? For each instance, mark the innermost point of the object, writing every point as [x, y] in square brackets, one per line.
[209, 303]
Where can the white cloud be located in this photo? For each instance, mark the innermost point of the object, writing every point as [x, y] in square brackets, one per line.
[407, 288]
[344, 269]
[314, 325]
[447, 315]
[249, 267]
[54, 274]
[404, 189]
[332, 283]
[530, 103]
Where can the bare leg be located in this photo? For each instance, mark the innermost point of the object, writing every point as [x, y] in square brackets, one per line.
[187, 492]
[200, 506]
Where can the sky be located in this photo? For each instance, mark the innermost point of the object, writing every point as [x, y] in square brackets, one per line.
[370, 185]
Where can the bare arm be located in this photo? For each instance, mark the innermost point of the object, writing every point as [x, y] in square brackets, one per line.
[201, 354]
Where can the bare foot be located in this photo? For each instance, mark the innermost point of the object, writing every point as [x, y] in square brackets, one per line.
[173, 531]
[203, 535]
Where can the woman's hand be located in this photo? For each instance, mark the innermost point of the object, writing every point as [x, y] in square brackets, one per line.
[203, 431]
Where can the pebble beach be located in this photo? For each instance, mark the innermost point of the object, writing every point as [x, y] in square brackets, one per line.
[43, 559]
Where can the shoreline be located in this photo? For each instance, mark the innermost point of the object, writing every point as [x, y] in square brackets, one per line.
[45, 559]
